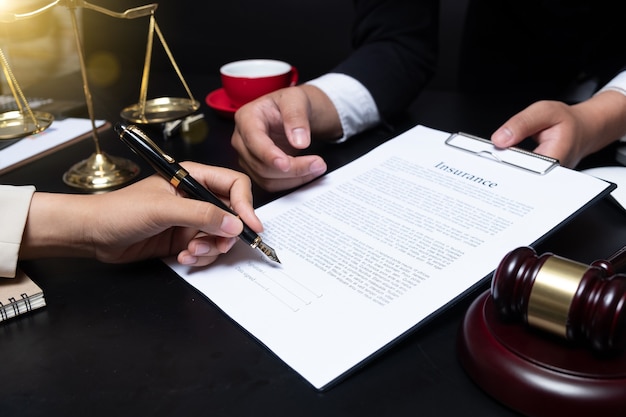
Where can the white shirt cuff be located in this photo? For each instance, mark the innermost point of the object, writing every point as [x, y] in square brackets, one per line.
[618, 83]
[355, 105]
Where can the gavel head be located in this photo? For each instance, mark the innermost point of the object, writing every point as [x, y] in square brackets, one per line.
[579, 302]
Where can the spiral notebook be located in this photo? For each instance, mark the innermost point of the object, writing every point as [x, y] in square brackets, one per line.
[19, 295]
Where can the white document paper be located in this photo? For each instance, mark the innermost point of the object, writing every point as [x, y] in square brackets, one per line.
[57, 134]
[374, 248]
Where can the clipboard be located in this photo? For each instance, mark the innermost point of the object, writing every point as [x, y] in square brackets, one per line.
[426, 228]
[515, 157]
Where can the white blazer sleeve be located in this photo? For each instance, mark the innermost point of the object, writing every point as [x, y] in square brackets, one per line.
[14, 205]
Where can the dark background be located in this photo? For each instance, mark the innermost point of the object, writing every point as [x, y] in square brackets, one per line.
[313, 35]
[310, 34]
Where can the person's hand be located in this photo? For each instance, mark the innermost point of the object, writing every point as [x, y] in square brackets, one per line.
[271, 131]
[143, 220]
[567, 133]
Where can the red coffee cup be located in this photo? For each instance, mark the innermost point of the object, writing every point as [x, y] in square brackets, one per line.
[245, 80]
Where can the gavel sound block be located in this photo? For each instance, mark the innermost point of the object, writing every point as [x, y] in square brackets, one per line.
[549, 338]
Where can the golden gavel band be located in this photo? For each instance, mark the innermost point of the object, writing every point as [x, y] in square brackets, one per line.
[582, 303]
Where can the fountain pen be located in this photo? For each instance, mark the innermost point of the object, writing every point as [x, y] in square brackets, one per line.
[171, 170]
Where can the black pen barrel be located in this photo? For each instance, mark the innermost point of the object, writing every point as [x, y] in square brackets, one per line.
[195, 190]
[144, 147]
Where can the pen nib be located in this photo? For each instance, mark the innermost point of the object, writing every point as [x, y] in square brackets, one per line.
[268, 251]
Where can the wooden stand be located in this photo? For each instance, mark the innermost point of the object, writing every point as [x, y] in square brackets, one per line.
[535, 373]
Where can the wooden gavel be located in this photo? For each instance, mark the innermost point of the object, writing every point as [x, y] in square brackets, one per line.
[582, 303]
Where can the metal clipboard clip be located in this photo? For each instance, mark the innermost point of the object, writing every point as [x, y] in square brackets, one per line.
[515, 157]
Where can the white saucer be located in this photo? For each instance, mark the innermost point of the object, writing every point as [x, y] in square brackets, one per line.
[614, 174]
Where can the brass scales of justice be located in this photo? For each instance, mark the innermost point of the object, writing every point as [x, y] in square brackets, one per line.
[99, 171]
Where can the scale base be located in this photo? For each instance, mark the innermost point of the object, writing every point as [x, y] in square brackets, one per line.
[100, 171]
[537, 374]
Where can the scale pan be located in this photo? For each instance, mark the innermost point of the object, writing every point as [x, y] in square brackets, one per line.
[16, 125]
[160, 110]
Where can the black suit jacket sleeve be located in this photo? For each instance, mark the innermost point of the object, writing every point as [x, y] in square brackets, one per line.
[395, 51]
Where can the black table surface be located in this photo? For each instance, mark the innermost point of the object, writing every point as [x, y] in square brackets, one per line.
[137, 340]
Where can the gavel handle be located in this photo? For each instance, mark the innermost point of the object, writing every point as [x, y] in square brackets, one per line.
[615, 263]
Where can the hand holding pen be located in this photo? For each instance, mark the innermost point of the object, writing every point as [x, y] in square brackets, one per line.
[173, 172]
